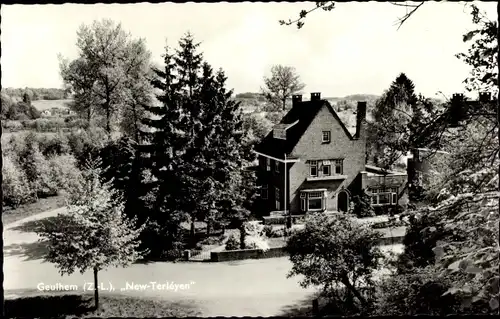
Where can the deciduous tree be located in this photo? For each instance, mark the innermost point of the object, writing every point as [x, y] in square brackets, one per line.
[106, 74]
[281, 85]
[95, 234]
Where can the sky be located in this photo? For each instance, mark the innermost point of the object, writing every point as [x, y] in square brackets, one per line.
[355, 48]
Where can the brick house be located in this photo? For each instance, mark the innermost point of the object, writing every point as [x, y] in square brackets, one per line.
[311, 162]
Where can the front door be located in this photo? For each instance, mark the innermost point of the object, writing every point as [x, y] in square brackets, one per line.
[343, 201]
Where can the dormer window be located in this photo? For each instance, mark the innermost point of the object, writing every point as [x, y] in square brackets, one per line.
[326, 137]
[279, 132]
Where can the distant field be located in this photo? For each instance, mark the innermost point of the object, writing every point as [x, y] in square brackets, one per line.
[42, 105]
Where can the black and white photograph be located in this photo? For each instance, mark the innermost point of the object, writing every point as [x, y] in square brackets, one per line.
[250, 159]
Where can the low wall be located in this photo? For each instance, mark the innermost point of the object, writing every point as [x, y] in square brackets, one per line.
[270, 220]
[242, 254]
[390, 240]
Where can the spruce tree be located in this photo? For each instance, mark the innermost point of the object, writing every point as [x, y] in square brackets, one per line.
[188, 67]
[164, 141]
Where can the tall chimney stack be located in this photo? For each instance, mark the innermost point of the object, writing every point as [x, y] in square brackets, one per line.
[484, 97]
[296, 99]
[316, 96]
[360, 118]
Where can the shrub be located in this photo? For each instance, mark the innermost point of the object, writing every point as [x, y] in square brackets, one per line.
[54, 145]
[232, 243]
[419, 292]
[267, 231]
[330, 252]
[86, 142]
[15, 186]
[213, 240]
[45, 183]
[64, 172]
[361, 206]
[12, 126]
[36, 167]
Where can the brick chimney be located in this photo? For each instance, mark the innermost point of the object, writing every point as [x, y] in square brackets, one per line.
[296, 99]
[457, 97]
[484, 96]
[360, 120]
[316, 96]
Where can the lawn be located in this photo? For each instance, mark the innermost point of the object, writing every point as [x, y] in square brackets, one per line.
[10, 215]
[61, 305]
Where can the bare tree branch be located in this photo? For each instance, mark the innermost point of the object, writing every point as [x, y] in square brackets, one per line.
[408, 14]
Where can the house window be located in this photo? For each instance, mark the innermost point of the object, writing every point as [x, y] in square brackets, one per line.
[276, 166]
[313, 168]
[268, 164]
[315, 201]
[326, 137]
[263, 192]
[277, 197]
[326, 169]
[312, 201]
[383, 197]
[338, 167]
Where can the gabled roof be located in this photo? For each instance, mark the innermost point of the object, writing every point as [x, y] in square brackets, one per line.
[304, 113]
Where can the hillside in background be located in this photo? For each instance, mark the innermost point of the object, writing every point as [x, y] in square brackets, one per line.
[43, 105]
[255, 102]
[36, 93]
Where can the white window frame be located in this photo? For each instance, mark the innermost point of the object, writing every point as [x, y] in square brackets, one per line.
[392, 192]
[311, 165]
[303, 201]
[328, 136]
[315, 195]
[264, 192]
[268, 164]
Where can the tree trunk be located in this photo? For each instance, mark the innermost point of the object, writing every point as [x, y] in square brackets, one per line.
[107, 105]
[89, 113]
[136, 129]
[352, 289]
[108, 119]
[242, 236]
[96, 290]
[284, 104]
